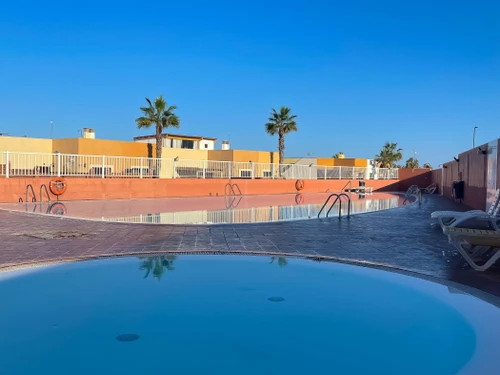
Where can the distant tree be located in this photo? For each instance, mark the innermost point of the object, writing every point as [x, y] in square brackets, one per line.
[412, 163]
[427, 166]
[338, 155]
[162, 116]
[281, 123]
[389, 155]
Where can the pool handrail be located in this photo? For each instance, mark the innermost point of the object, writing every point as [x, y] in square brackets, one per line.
[28, 188]
[338, 198]
[231, 189]
[42, 188]
[349, 183]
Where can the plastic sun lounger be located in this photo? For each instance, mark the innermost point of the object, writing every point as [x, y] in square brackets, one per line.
[478, 221]
[449, 216]
[476, 245]
[431, 189]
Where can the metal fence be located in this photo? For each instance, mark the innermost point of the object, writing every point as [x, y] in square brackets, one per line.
[23, 164]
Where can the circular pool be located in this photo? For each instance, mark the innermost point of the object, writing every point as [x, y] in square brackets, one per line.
[238, 315]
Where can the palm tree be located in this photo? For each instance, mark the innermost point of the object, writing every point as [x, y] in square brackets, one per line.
[389, 155]
[282, 262]
[160, 115]
[157, 264]
[338, 155]
[412, 163]
[281, 123]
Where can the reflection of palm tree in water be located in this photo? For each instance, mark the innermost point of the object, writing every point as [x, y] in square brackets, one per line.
[282, 262]
[157, 265]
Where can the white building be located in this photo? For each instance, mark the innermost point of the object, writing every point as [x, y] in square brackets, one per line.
[181, 141]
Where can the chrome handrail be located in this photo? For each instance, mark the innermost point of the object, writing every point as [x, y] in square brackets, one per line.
[237, 187]
[348, 183]
[30, 187]
[339, 198]
[231, 189]
[326, 202]
[42, 187]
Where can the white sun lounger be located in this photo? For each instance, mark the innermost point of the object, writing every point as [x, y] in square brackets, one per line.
[431, 189]
[449, 216]
[472, 221]
[480, 248]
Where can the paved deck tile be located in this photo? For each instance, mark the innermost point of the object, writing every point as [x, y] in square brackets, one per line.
[399, 238]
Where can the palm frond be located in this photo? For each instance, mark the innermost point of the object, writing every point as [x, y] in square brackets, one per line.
[157, 115]
[144, 122]
[271, 128]
[160, 104]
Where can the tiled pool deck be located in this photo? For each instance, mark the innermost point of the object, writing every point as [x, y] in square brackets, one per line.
[400, 238]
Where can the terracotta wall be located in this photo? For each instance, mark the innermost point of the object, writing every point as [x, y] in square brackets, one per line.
[498, 163]
[96, 188]
[472, 169]
[421, 177]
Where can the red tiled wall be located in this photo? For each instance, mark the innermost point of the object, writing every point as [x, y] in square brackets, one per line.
[498, 164]
[12, 189]
[472, 169]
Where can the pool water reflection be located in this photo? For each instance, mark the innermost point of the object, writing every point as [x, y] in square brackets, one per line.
[238, 315]
[210, 210]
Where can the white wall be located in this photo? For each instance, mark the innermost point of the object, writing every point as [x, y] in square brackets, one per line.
[151, 140]
[207, 144]
[167, 143]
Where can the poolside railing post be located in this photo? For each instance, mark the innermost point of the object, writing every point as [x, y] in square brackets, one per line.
[142, 166]
[58, 164]
[173, 169]
[340, 173]
[325, 172]
[310, 172]
[204, 168]
[7, 166]
[102, 171]
[230, 171]
[252, 164]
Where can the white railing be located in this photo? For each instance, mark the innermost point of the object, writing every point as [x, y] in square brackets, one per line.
[24, 164]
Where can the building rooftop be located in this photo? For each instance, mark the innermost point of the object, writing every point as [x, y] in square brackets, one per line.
[168, 135]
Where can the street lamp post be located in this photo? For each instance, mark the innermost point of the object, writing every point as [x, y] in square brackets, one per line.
[474, 137]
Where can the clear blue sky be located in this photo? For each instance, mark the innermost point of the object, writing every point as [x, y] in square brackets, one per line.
[357, 73]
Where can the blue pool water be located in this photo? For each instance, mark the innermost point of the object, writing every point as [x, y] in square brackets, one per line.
[238, 315]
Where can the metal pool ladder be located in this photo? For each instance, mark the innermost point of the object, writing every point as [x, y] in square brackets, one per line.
[337, 199]
[43, 188]
[29, 188]
[234, 189]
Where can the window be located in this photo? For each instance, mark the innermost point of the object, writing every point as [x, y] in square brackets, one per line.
[206, 145]
[246, 173]
[187, 144]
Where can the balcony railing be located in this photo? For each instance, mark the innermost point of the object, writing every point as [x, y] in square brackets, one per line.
[24, 164]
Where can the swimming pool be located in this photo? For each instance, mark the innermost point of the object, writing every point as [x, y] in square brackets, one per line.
[238, 315]
[209, 210]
